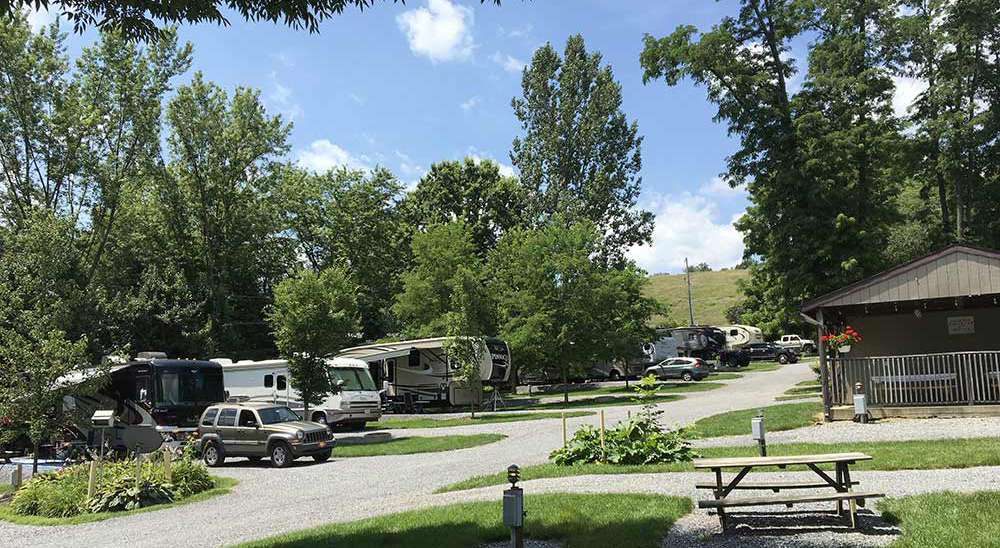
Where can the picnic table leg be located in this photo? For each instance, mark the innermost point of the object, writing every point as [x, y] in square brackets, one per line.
[718, 495]
[840, 481]
[852, 503]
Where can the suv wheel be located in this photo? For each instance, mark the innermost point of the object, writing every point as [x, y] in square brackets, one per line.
[281, 455]
[808, 349]
[687, 376]
[782, 359]
[212, 454]
[322, 457]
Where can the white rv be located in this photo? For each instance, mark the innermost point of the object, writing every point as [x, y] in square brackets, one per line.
[741, 336]
[356, 403]
[420, 369]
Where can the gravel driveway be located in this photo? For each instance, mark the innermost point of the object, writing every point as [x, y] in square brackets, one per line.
[269, 501]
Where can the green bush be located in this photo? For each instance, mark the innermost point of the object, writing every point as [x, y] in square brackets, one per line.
[129, 493]
[640, 440]
[64, 493]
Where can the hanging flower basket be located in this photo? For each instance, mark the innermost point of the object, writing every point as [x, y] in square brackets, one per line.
[841, 342]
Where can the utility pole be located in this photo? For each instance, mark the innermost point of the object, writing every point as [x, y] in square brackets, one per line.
[687, 270]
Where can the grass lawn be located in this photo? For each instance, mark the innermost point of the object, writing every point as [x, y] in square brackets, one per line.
[754, 367]
[576, 520]
[398, 424]
[222, 486]
[945, 520]
[713, 292]
[898, 455]
[6, 488]
[665, 388]
[786, 416]
[804, 389]
[796, 397]
[408, 446]
[600, 401]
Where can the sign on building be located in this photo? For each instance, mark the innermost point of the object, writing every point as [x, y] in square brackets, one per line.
[961, 325]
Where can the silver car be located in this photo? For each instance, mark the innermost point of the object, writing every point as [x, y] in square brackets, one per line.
[680, 368]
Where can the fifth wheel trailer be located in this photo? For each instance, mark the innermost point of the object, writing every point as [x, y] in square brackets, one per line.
[421, 370]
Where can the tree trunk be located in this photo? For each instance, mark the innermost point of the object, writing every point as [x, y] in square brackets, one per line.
[565, 381]
[34, 461]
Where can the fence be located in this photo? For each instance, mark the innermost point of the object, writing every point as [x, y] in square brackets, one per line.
[956, 378]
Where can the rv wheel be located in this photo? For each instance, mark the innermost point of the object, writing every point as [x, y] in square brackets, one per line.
[212, 454]
[613, 375]
[319, 417]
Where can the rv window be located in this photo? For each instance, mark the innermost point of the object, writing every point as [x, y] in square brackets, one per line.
[209, 417]
[227, 417]
[355, 378]
[281, 382]
[247, 419]
[268, 381]
[692, 336]
[733, 332]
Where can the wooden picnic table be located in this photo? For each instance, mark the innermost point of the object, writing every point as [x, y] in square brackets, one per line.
[841, 482]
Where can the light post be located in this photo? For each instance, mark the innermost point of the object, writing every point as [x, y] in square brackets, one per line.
[513, 508]
[757, 431]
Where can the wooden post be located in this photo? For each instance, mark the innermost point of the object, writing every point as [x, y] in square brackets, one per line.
[824, 368]
[564, 428]
[629, 412]
[18, 476]
[603, 452]
[168, 458]
[92, 480]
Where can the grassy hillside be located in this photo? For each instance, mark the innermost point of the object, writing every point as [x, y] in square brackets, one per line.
[712, 293]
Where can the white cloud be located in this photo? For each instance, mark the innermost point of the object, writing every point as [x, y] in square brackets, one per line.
[356, 99]
[471, 103]
[282, 98]
[690, 225]
[508, 62]
[907, 90]
[284, 59]
[442, 31]
[719, 188]
[40, 18]
[322, 156]
[478, 156]
[369, 138]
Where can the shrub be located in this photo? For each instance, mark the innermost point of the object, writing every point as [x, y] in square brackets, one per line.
[58, 494]
[130, 493]
[636, 441]
[189, 478]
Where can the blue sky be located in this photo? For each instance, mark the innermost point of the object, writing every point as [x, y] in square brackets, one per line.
[406, 86]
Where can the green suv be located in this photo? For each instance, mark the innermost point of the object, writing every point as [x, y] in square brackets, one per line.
[257, 430]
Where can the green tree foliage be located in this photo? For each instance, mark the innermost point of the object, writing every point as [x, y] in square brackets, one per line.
[138, 20]
[313, 316]
[580, 156]
[218, 210]
[351, 218]
[466, 348]
[39, 302]
[447, 277]
[559, 309]
[471, 191]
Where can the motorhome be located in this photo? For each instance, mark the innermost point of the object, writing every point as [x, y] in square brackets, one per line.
[420, 369]
[653, 353]
[354, 404]
[741, 336]
[154, 399]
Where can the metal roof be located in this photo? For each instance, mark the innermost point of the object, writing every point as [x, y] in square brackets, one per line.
[953, 271]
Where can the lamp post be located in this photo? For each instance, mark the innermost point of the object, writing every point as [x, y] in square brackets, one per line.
[513, 507]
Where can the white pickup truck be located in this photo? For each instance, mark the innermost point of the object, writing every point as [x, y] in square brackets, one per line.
[803, 346]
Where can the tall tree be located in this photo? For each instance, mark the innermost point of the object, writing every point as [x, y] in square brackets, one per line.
[580, 156]
[444, 263]
[561, 310]
[471, 191]
[351, 218]
[313, 317]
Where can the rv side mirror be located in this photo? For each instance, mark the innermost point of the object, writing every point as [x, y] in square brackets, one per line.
[142, 394]
[340, 383]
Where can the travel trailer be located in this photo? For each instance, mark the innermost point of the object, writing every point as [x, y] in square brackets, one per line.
[741, 336]
[356, 403]
[154, 399]
[420, 370]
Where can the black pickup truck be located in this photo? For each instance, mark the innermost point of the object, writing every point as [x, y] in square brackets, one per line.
[772, 352]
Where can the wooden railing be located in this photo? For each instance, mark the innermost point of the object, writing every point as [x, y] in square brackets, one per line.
[955, 378]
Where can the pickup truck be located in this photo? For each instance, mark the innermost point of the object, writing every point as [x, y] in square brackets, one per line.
[797, 343]
[773, 352]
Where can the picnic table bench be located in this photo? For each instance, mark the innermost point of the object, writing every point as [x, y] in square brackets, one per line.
[841, 483]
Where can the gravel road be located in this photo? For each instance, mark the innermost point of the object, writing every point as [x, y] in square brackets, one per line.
[269, 501]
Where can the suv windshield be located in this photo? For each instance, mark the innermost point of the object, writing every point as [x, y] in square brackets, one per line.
[354, 378]
[272, 415]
